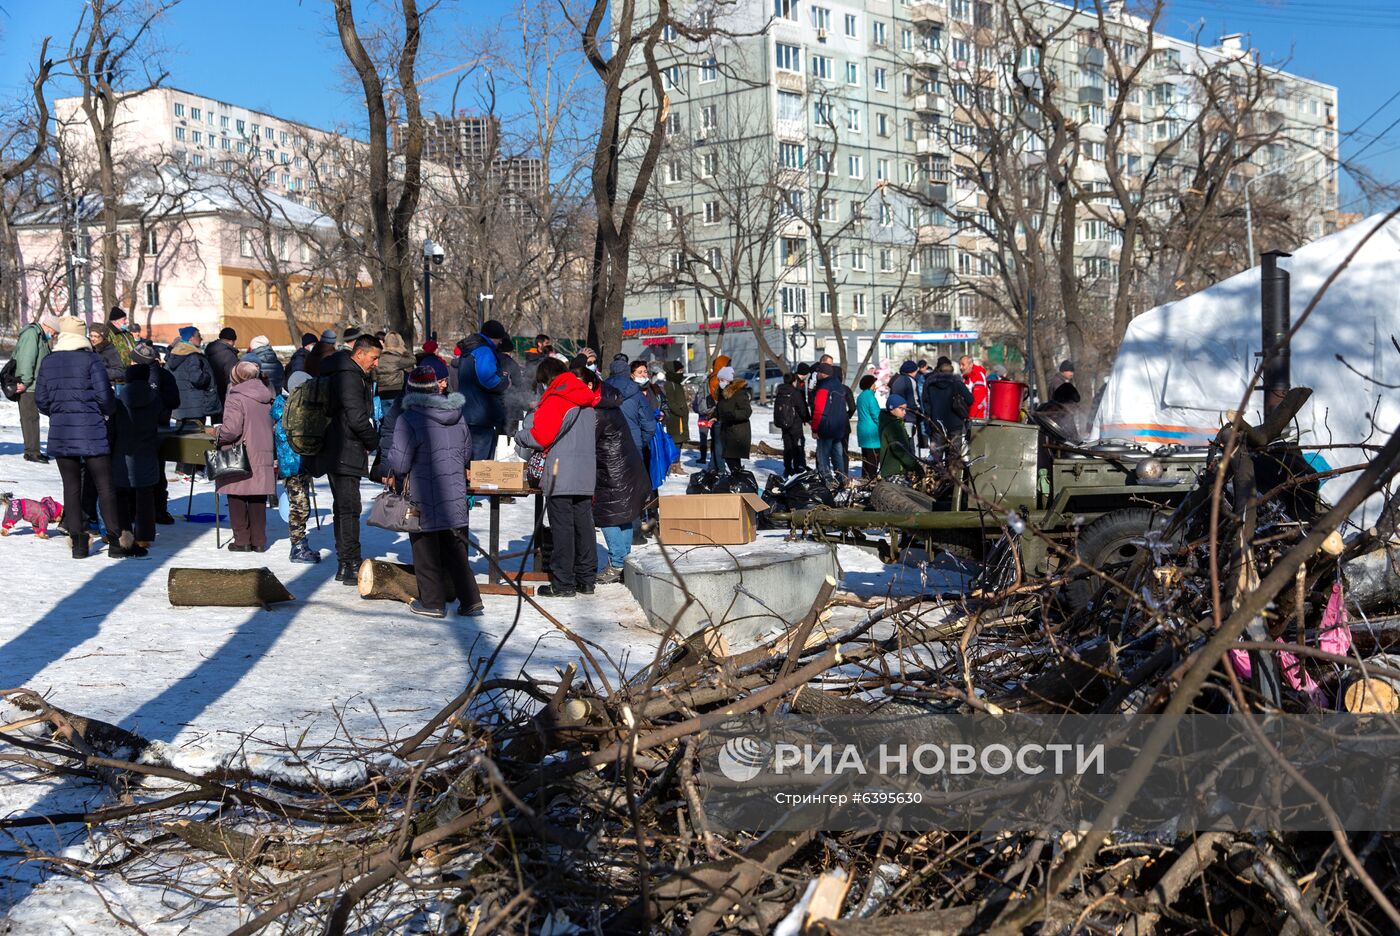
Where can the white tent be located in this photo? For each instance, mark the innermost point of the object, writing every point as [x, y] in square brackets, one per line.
[1184, 365]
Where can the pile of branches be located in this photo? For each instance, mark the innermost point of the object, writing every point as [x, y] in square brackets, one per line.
[571, 804]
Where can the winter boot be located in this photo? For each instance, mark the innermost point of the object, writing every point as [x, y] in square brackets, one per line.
[553, 591]
[124, 547]
[304, 553]
[348, 573]
[81, 545]
[610, 576]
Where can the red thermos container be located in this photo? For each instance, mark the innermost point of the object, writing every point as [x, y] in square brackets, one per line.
[1006, 399]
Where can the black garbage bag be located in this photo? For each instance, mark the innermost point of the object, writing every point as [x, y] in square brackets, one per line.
[711, 481]
[801, 491]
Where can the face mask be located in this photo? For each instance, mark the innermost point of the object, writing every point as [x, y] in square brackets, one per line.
[724, 383]
[640, 380]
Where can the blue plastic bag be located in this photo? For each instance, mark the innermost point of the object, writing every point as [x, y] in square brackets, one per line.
[664, 453]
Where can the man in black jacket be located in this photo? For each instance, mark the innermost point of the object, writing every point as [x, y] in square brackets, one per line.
[163, 383]
[298, 361]
[223, 357]
[344, 456]
[790, 413]
[947, 401]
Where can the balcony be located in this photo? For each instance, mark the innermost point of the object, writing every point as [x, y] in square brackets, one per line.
[1091, 94]
[928, 58]
[933, 234]
[1091, 58]
[790, 81]
[931, 145]
[936, 277]
[937, 192]
[1093, 248]
[931, 103]
[928, 13]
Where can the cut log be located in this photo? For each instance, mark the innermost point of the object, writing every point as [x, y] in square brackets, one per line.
[1362, 694]
[225, 588]
[395, 581]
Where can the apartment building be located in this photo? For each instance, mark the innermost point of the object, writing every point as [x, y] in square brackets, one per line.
[197, 242]
[865, 122]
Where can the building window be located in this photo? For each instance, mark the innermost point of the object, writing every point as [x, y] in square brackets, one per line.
[828, 210]
[882, 124]
[678, 313]
[223, 123]
[821, 66]
[672, 77]
[785, 9]
[709, 117]
[857, 209]
[853, 119]
[224, 143]
[858, 305]
[196, 137]
[240, 127]
[882, 170]
[852, 26]
[881, 79]
[821, 18]
[709, 162]
[674, 172]
[242, 147]
[179, 109]
[794, 251]
[855, 166]
[153, 294]
[829, 303]
[877, 33]
[790, 156]
[150, 243]
[245, 244]
[789, 106]
[821, 113]
[788, 57]
[179, 133]
[853, 73]
[197, 160]
[246, 293]
[906, 40]
[712, 212]
[194, 113]
[858, 259]
[825, 162]
[886, 260]
[673, 123]
[709, 70]
[714, 308]
[715, 258]
[274, 301]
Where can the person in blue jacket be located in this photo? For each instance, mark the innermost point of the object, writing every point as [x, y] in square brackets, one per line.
[482, 382]
[637, 407]
[74, 392]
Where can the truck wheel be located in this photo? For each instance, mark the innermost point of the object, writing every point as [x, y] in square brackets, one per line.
[1110, 544]
[886, 497]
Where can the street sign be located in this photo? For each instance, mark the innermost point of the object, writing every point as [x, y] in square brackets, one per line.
[929, 337]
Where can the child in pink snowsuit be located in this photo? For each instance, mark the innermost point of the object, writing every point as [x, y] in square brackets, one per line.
[40, 513]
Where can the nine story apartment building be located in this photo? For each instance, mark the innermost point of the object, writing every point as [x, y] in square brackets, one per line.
[821, 155]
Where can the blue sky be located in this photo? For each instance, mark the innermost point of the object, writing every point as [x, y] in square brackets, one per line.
[282, 56]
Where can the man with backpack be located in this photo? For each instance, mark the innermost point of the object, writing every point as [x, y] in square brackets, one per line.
[482, 381]
[348, 439]
[832, 406]
[789, 414]
[947, 403]
[31, 347]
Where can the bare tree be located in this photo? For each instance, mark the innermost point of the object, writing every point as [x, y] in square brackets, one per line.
[108, 50]
[394, 267]
[22, 143]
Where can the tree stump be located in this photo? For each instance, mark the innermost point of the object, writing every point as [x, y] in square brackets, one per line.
[225, 588]
[1369, 695]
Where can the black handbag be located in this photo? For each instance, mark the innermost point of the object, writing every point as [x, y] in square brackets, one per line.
[228, 464]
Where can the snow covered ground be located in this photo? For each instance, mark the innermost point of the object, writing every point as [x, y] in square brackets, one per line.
[99, 637]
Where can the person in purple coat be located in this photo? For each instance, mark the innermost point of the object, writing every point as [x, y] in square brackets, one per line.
[248, 419]
[431, 449]
[73, 391]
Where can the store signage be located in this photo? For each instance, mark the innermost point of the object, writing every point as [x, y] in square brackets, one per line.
[736, 323]
[631, 328]
[929, 337]
[665, 340]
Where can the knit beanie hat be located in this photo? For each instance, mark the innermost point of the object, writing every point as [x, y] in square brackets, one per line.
[725, 373]
[307, 339]
[228, 334]
[328, 335]
[494, 330]
[117, 314]
[145, 353]
[71, 325]
[895, 402]
[423, 379]
[259, 342]
[430, 346]
[351, 333]
[188, 332]
[908, 367]
[436, 364]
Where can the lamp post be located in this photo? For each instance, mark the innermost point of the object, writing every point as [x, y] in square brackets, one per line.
[433, 254]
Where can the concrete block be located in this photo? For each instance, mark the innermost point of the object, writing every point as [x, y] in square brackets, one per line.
[750, 591]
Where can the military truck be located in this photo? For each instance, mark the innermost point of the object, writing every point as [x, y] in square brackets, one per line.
[1099, 498]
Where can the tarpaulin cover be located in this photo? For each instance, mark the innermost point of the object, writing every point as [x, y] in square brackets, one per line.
[1183, 367]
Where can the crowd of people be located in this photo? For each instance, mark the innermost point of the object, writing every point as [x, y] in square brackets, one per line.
[356, 405]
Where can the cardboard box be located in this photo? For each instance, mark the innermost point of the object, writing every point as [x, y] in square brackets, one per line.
[709, 519]
[498, 475]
